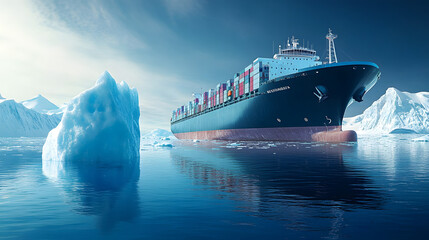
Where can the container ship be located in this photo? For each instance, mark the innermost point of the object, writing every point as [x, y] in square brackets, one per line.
[291, 97]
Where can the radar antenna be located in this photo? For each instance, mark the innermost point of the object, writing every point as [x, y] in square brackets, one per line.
[331, 49]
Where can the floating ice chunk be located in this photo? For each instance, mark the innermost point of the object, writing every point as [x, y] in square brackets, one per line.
[234, 144]
[195, 140]
[165, 138]
[164, 145]
[100, 125]
[421, 139]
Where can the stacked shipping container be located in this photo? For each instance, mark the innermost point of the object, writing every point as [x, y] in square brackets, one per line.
[243, 83]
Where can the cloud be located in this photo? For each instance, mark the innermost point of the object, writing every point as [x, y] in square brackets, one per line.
[41, 53]
[183, 7]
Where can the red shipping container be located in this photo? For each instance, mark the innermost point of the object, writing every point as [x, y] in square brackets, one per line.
[251, 69]
[241, 75]
[246, 73]
[251, 83]
[241, 88]
[233, 91]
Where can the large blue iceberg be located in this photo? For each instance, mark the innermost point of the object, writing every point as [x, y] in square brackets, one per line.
[100, 126]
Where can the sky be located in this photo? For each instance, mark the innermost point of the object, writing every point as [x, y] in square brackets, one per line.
[169, 49]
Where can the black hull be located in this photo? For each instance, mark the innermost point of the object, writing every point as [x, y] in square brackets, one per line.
[285, 109]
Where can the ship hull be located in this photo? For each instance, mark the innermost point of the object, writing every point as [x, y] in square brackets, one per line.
[287, 109]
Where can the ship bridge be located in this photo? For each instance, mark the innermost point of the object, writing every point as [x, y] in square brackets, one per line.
[290, 60]
[292, 50]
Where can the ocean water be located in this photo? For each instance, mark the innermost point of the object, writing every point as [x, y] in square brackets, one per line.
[377, 188]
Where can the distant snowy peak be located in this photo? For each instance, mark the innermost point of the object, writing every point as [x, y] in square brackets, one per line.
[18, 121]
[395, 111]
[40, 104]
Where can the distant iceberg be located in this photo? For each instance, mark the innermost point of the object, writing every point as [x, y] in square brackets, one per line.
[100, 125]
[394, 112]
[158, 138]
[159, 134]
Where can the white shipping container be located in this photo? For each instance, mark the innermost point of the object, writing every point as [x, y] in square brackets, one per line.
[248, 67]
[256, 68]
[211, 92]
[217, 99]
[255, 84]
[246, 88]
[225, 95]
[256, 77]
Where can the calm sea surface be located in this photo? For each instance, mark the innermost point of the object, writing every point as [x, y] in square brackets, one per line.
[377, 188]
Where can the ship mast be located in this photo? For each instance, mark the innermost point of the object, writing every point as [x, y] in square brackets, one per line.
[331, 49]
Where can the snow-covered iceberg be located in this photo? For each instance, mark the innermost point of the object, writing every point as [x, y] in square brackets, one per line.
[394, 112]
[19, 121]
[41, 104]
[100, 126]
[159, 133]
[158, 138]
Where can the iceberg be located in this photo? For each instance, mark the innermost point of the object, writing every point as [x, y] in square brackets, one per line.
[100, 126]
[159, 133]
[394, 112]
[19, 121]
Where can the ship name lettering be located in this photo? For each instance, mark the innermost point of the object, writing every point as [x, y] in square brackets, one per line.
[278, 89]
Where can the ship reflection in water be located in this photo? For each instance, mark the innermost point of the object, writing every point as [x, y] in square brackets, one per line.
[108, 192]
[282, 181]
